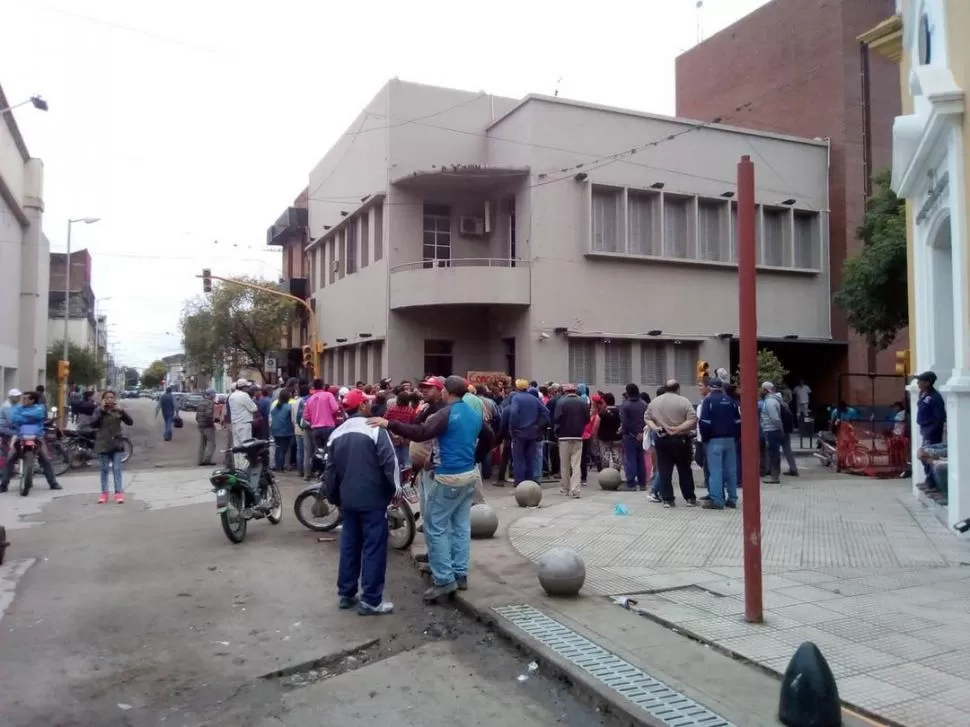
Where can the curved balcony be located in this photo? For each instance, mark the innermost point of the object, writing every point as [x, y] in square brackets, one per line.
[462, 281]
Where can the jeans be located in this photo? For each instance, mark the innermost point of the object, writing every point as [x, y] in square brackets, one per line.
[15, 455]
[487, 466]
[447, 530]
[570, 463]
[321, 435]
[111, 460]
[773, 442]
[537, 463]
[722, 462]
[308, 451]
[675, 453]
[207, 444]
[789, 455]
[283, 445]
[633, 467]
[523, 458]
[300, 447]
[363, 555]
[167, 427]
[503, 467]
[403, 452]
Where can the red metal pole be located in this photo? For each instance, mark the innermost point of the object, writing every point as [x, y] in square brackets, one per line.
[748, 355]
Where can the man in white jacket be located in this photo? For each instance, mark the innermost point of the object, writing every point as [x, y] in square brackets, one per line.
[241, 409]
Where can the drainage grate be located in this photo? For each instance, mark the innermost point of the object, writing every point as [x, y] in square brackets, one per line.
[651, 695]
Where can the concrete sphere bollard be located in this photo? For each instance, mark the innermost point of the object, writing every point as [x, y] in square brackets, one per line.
[561, 572]
[609, 479]
[484, 521]
[528, 494]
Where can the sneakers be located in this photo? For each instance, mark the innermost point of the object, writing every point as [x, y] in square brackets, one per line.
[347, 602]
[692, 502]
[733, 505]
[56, 486]
[120, 498]
[711, 505]
[381, 609]
[435, 592]
[651, 497]
[462, 582]
[102, 498]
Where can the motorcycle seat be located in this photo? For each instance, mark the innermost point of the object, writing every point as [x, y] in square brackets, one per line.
[251, 446]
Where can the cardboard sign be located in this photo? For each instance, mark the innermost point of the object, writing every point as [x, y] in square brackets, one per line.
[488, 378]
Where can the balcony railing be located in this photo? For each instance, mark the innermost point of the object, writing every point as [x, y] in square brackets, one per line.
[461, 281]
[465, 262]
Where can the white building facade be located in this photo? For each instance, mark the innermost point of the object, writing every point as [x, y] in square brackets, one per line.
[930, 170]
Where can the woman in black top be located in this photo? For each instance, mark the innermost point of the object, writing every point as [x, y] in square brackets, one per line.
[608, 433]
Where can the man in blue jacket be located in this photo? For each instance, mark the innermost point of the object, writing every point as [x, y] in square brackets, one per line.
[28, 418]
[361, 478]
[720, 426]
[527, 418]
[632, 412]
[461, 440]
[167, 408]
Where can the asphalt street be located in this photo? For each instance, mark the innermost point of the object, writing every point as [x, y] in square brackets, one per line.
[144, 614]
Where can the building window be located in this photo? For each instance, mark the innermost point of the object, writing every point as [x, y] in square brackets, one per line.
[437, 235]
[330, 259]
[619, 363]
[653, 364]
[364, 239]
[806, 239]
[350, 377]
[712, 232]
[582, 361]
[378, 232]
[364, 351]
[438, 358]
[350, 242]
[606, 219]
[644, 223]
[685, 364]
[777, 250]
[330, 355]
[677, 228]
[378, 356]
[341, 358]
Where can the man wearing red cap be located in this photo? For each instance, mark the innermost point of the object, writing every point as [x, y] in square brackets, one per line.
[361, 478]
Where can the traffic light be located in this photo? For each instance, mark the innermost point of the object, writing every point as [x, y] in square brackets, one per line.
[320, 345]
[206, 280]
[902, 362]
[703, 370]
[308, 356]
[63, 370]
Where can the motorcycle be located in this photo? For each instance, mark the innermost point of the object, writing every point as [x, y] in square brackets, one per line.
[56, 449]
[79, 448]
[236, 503]
[25, 444]
[826, 449]
[315, 513]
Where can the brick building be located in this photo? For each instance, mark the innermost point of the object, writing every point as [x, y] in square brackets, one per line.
[797, 67]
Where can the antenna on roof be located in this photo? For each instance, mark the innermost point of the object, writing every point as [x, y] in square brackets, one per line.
[556, 92]
[700, 20]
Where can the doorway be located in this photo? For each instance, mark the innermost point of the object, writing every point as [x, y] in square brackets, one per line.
[509, 346]
[941, 276]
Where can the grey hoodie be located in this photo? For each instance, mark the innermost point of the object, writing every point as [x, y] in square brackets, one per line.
[771, 420]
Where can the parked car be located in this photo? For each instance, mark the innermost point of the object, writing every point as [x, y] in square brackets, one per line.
[190, 402]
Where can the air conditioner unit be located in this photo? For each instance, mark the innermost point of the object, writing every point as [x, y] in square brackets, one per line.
[471, 227]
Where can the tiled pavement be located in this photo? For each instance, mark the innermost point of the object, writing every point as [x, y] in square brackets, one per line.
[856, 566]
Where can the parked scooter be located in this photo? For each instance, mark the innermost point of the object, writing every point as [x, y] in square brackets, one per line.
[826, 448]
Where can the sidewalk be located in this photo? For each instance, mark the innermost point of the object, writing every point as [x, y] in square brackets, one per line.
[856, 566]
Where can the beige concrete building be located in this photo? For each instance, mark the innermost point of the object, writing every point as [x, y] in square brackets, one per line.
[24, 260]
[557, 240]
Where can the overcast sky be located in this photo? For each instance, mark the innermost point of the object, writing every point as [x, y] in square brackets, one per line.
[185, 123]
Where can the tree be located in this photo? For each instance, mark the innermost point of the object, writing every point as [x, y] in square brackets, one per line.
[770, 368]
[132, 377]
[200, 342]
[874, 295]
[154, 375]
[237, 323]
[85, 369]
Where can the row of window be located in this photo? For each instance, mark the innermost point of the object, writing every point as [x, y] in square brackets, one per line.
[663, 224]
[658, 362]
[349, 250]
[347, 365]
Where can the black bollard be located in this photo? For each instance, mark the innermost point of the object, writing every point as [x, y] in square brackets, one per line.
[3, 543]
[809, 695]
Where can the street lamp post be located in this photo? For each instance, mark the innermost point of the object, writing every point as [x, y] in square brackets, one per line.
[62, 373]
[37, 102]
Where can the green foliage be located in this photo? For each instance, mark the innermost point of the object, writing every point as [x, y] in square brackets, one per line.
[85, 370]
[874, 295]
[235, 323]
[154, 375]
[132, 377]
[770, 368]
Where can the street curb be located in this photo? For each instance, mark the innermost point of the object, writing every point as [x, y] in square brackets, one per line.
[589, 690]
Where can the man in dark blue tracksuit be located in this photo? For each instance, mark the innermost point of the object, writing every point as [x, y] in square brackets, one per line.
[720, 426]
[631, 427]
[361, 478]
[527, 417]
